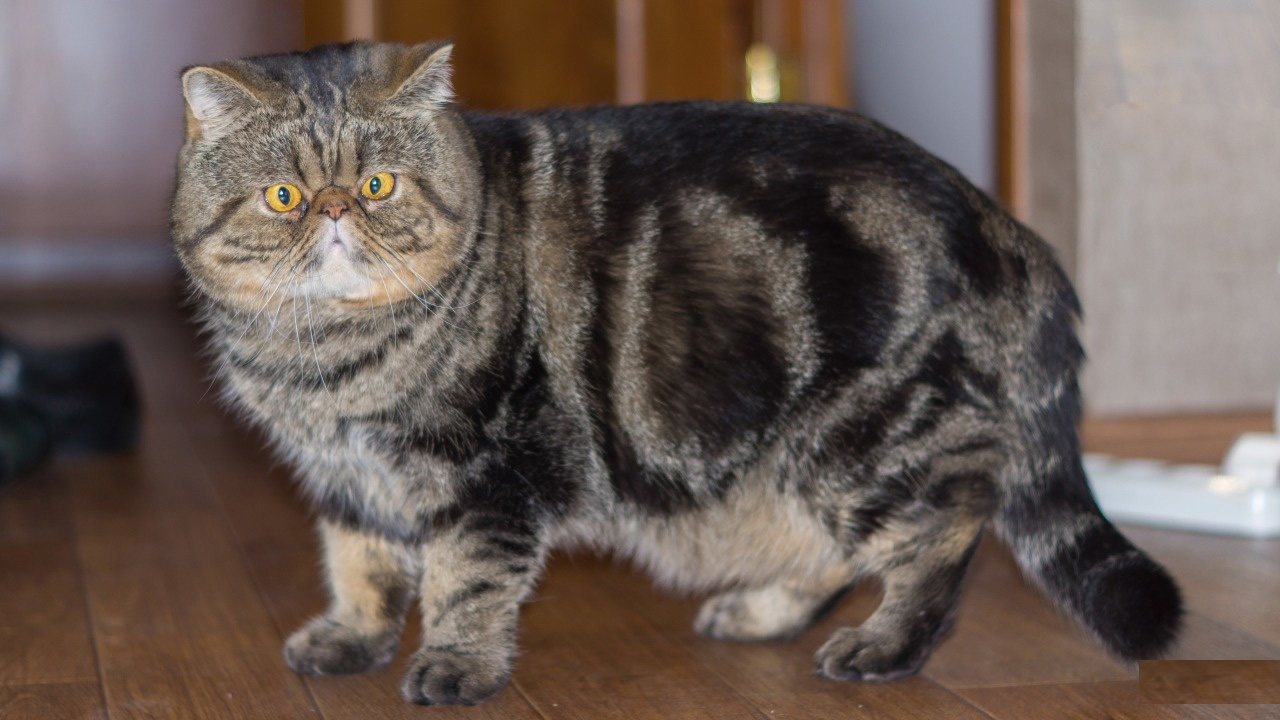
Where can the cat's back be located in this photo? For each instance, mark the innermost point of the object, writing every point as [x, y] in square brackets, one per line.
[706, 274]
[807, 174]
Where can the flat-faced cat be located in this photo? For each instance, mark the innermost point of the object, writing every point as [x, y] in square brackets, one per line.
[763, 351]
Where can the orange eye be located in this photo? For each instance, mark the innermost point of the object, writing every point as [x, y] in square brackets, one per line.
[282, 197]
[378, 186]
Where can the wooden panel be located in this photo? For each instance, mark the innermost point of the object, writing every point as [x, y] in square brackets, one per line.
[696, 49]
[808, 36]
[826, 66]
[1011, 106]
[323, 22]
[1185, 438]
[516, 55]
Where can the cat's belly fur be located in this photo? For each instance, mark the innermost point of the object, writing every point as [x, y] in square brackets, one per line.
[756, 536]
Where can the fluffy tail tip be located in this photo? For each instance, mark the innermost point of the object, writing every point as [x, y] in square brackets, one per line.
[1133, 606]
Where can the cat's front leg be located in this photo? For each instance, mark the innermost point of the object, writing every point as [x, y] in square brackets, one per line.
[370, 585]
[475, 575]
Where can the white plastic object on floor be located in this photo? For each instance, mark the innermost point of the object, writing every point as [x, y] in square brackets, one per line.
[1240, 498]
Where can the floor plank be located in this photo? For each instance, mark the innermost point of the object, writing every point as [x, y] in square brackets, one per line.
[585, 655]
[1112, 700]
[998, 613]
[179, 629]
[775, 678]
[42, 641]
[69, 701]
[1234, 580]
[44, 634]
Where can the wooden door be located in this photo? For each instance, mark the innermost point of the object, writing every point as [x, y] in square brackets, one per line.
[511, 55]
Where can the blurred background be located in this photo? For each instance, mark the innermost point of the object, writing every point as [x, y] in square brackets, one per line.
[1138, 136]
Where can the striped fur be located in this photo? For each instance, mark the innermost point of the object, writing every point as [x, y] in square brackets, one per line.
[762, 351]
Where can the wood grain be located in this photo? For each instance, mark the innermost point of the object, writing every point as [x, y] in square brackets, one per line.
[1212, 682]
[998, 613]
[44, 634]
[776, 678]
[516, 55]
[72, 701]
[1112, 700]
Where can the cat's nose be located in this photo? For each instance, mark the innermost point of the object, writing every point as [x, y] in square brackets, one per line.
[333, 202]
[335, 208]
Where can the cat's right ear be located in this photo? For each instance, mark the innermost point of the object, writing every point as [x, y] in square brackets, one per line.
[216, 102]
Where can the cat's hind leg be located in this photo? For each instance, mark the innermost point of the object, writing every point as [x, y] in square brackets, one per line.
[921, 554]
[773, 612]
[371, 588]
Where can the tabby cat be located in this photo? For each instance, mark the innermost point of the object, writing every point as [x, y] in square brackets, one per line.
[763, 351]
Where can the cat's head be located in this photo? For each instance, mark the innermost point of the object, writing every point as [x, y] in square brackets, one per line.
[342, 176]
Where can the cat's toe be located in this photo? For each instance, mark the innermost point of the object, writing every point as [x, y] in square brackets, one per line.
[441, 677]
[856, 654]
[324, 647]
[770, 613]
[721, 617]
[732, 617]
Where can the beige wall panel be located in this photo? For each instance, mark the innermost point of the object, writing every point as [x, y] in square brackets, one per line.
[1051, 125]
[1179, 178]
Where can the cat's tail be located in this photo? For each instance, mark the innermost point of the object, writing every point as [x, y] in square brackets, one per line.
[1050, 519]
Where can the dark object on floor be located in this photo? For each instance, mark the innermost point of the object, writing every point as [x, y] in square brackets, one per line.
[82, 397]
[24, 437]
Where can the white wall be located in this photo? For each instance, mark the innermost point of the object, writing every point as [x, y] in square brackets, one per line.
[926, 68]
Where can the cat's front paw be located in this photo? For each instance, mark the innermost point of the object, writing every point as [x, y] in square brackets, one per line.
[449, 677]
[324, 647]
[857, 654]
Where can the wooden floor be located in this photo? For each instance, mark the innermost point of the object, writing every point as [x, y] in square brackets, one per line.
[161, 585]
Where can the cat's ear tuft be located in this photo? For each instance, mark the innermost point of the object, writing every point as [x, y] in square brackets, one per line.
[429, 88]
[216, 102]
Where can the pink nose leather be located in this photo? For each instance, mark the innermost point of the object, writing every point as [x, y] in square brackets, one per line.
[335, 208]
[333, 201]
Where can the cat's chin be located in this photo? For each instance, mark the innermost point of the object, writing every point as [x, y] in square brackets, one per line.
[338, 279]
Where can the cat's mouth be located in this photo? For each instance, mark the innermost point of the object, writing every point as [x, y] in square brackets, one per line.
[337, 258]
[336, 243]
[339, 246]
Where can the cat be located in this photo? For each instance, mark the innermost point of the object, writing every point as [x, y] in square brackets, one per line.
[762, 351]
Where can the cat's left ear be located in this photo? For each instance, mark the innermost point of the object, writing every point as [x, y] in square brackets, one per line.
[429, 87]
